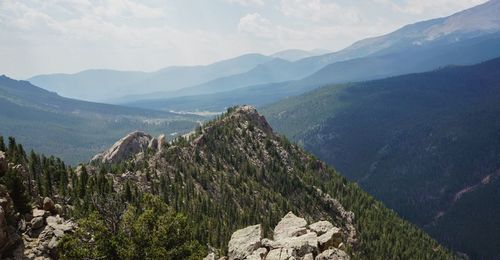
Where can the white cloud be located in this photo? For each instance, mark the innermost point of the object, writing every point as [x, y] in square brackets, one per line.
[317, 11]
[247, 2]
[127, 8]
[265, 31]
[71, 35]
[256, 25]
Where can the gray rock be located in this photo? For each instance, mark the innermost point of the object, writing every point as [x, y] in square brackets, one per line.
[321, 227]
[279, 254]
[268, 243]
[309, 256]
[301, 245]
[53, 243]
[289, 226]
[59, 224]
[39, 213]
[333, 254]
[37, 222]
[210, 256]
[162, 141]
[48, 205]
[59, 209]
[332, 238]
[244, 241]
[258, 254]
[125, 148]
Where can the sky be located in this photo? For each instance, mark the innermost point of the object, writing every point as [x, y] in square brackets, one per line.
[68, 36]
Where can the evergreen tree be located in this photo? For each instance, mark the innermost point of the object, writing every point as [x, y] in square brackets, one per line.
[17, 191]
[84, 177]
[47, 187]
[12, 148]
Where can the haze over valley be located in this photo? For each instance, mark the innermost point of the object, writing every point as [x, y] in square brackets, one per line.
[250, 129]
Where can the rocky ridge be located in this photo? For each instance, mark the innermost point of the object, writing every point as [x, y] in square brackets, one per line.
[247, 127]
[293, 238]
[234, 171]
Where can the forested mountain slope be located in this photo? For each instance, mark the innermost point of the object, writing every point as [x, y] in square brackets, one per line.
[170, 200]
[234, 171]
[425, 144]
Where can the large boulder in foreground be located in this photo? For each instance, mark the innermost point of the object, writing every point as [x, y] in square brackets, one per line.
[293, 240]
[244, 241]
[289, 226]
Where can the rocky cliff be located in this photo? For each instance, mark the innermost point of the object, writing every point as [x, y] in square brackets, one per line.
[130, 145]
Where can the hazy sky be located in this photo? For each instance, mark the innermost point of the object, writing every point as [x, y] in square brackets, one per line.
[47, 36]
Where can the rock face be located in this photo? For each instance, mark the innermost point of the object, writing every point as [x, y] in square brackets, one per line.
[129, 146]
[244, 241]
[292, 239]
[290, 226]
[126, 147]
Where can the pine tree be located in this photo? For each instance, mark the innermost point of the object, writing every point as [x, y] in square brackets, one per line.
[84, 177]
[48, 183]
[12, 148]
[17, 190]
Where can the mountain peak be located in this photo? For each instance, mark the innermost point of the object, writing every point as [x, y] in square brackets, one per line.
[249, 115]
[479, 19]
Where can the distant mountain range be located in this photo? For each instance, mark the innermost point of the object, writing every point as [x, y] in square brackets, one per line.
[465, 38]
[426, 144]
[296, 54]
[100, 85]
[72, 129]
[120, 86]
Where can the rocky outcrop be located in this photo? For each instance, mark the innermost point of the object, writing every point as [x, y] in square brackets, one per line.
[132, 144]
[34, 235]
[250, 114]
[125, 148]
[293, 238]
[346, 217]
[41, 235]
